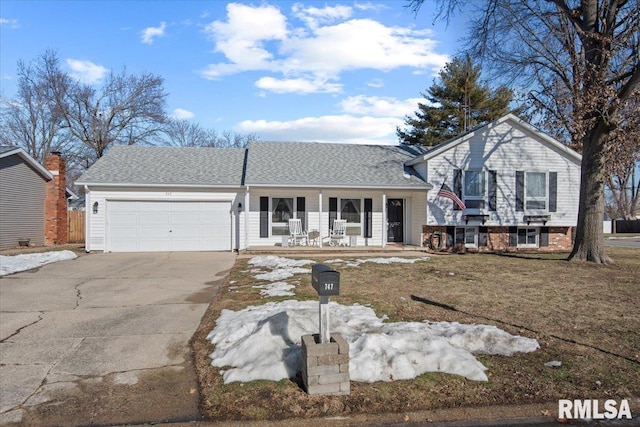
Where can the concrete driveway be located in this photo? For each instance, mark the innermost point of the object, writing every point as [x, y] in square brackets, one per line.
[104, 339]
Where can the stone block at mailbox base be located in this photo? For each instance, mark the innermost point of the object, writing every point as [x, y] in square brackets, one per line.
[325, 367]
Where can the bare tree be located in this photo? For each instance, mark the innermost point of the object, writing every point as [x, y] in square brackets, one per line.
[587, 47]
[32, 119]
[127, 110]
[184, 133]
[623, 161]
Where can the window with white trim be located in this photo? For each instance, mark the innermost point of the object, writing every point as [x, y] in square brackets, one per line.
[282, 210]
[467, 236]
[475, 189]
[350, 209]
[527, 237]
[535, 190]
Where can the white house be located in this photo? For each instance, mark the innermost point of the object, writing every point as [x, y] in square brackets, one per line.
[516, 185]
[515, 188]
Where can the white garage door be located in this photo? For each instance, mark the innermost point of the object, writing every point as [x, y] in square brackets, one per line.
[135, 226]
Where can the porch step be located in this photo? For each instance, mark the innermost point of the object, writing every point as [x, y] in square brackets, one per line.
[332, 250]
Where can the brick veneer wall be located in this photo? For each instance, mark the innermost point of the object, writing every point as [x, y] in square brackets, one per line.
[55, 202]
[560, 240]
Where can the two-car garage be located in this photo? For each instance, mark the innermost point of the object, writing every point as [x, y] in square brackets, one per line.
[163, 226]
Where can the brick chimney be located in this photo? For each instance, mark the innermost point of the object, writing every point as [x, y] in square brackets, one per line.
[55, 202]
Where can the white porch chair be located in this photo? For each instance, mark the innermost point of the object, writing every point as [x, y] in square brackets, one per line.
[338, 234]
[296, 234]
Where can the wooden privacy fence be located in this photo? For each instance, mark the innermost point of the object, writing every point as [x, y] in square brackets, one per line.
[76, 226]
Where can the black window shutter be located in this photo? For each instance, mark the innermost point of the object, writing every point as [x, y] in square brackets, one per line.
[457, 186]
[368, 217]
[450, 236]
[544, 236]
[300, 212]
[333, 211]
[493, 190]
[553, 191]
[264, 217]
[519, 191]
[482, 236]
[513, 236]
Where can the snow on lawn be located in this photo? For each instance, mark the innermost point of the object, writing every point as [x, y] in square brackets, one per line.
[17, 263]
[276, 289]
[385, 260]
[263, 342]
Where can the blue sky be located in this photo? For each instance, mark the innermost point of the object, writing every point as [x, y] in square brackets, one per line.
[342, 71]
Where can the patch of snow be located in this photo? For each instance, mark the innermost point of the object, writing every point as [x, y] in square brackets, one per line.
[380, 260]
[276, 289]
[263, 342]
[23, 262]
[282, 273]
[273, 262]
[553, 364]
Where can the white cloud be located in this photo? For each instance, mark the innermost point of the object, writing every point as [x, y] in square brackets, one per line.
[313, 16]
[241, 39]
[329, 42]
[9, 23]
[365, 120]
[335, 128]
[379, 106]
[150, 33]
[300, 86]
[181, 114]
[375, 83]
[86, 71]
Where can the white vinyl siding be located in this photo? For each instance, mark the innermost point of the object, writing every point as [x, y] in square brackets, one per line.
[504, 149]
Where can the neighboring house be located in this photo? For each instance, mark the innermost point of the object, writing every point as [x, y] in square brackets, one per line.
[32, 199]
[518, 188]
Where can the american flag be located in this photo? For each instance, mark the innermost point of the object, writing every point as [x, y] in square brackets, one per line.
[445, 191]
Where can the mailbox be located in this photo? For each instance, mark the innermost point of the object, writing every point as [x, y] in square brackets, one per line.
[325, 280]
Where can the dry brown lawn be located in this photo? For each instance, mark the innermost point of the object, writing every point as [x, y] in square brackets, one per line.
[586, 316]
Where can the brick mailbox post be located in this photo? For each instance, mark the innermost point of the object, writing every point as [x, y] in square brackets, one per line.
[325, 356]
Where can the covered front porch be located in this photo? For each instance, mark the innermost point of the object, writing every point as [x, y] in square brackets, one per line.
[375, 218]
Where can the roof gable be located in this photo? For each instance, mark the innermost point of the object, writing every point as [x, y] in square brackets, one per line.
[17, 151]
[511, 120]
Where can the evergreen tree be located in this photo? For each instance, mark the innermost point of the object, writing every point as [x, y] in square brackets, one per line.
[455, 104]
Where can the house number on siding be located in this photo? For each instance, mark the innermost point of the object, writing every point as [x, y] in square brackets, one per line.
[168, 193]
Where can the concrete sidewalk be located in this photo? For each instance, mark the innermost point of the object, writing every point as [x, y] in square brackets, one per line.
[104, 339]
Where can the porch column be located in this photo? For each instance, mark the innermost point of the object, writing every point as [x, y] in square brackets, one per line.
[320, 218]
[87, 219]
[246, 218]
[384, 219]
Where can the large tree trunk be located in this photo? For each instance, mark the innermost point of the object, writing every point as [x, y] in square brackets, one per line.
[589, 242]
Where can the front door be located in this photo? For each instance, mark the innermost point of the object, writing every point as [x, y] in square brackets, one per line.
[395, 220]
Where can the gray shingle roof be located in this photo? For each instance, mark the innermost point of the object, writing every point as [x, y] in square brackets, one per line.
[167, 166]
[330, 164]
